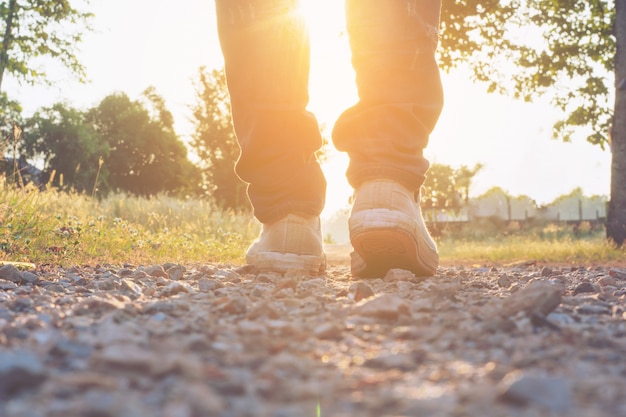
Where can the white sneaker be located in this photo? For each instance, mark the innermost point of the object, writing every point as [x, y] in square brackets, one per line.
[292, 243]
[387, 231]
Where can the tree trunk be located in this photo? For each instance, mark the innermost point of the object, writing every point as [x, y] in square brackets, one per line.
[6, 40]
[616, 216]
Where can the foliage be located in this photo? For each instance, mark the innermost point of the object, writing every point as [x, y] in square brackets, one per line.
[68, 146]
[10, 127]
[214, 140]
[145, 156]
[534, 48]
[119, 145]
[446, 187]
[34, 29]
[10, 115]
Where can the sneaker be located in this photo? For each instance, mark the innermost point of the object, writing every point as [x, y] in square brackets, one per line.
[292, 243]
[387, 231]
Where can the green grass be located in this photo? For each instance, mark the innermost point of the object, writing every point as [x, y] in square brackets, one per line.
[61, 228]
[547, 243]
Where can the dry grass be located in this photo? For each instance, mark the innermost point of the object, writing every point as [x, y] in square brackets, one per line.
[61, 228]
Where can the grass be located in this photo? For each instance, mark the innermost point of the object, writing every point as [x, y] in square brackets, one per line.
[51, 227]
[61, 228]
[548, 243]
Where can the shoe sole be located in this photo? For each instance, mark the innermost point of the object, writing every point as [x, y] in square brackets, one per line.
[385, 244]
[287, 262]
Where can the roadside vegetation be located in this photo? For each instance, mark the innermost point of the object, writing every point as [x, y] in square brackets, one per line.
[72, 229]
[66, 228]
[544, 243]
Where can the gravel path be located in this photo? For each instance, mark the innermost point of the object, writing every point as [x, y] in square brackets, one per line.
[213, 340]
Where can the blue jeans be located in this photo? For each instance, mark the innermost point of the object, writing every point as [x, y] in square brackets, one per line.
[266, 53]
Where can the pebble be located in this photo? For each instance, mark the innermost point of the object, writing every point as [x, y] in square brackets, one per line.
[537, 297]
[20, 371]
[584, 287]
[593, 309]
[550, 393]
[360, 291]
[10, 273]
[385, 306]
[398, 275]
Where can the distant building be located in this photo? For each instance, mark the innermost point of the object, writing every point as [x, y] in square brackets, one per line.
[496, 203]
[29, 174]
[575, 207]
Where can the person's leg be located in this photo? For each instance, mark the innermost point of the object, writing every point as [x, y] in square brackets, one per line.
[393, 46]
[266, 55]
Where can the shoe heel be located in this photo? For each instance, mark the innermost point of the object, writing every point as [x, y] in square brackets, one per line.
[383, 250]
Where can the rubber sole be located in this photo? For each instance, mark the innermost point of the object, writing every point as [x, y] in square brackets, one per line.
[385, 249]
[284, 262]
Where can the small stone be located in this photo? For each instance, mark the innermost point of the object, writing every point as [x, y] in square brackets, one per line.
[584, 287]
[65, 347]
[131, 287]
[287, 283]
[203, 400]
[29, 278]
[561, 319]
[614, 272]
[398, 275]
[169, 307]
[21, 304]
[550, 393]
[227, 275]
[208, 285]
[505, 281]
[546, 271]
[607, 281]
[72, 383]
[176, 288]
[263, 309]
[107, 284]
[267, 278]
[129, 358]
[329, 331]
[10, 273]
[537, 297]
[156, 271]
[401, 361]
[96, 305]
[236, 305]
[176, 272]
[20, 371]
[7, 285]
[593, 309]
[56, 288]
[385, 307]
[360, 291]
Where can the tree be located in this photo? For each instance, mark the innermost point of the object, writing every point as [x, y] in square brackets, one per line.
[68, 146]
[446, 187]
[463, 177]
[35, 29]
[10, 117]
[214, 140]
[146, 156]
[439, 190]
[10, 132]
[616, 215]
[565, 50]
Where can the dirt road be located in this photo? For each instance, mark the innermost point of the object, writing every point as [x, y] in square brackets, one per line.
[213, 340]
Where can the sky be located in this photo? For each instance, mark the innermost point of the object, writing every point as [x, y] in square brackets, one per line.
[141, 43]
